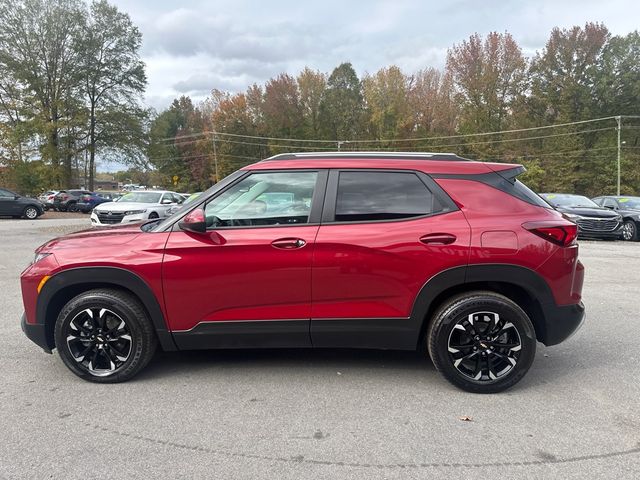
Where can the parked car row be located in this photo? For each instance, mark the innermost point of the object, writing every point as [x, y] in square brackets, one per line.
[605, 217]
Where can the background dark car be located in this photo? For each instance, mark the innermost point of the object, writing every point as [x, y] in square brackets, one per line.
[14, 205]
[629, 208]
[593, 221]
[68, 199]
[90, 200]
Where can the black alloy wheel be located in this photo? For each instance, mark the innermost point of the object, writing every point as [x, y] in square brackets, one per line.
[104, 336]
[481, 342]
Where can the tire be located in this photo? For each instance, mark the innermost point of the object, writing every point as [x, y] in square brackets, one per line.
[72, 207]
[478, 323]
[105, 357]
[153, 215]
[31, 213]
[629, 231]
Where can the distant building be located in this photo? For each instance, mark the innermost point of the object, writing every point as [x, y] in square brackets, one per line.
[105, 185]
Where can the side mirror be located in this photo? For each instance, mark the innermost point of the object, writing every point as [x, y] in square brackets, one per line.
[194, 222]
[16, 197]
[165, 201]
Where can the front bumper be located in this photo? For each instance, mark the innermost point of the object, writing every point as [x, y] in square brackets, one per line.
[584, 235]
[561, 322]
[139, 217]
[36, 333]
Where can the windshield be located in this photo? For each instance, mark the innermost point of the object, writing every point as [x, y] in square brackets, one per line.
[565, 200]
[141, 197]
[629, 202]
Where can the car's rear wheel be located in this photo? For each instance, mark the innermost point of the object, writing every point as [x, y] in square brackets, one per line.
[31, 213]
[630, 231]
[481, 342]
[104, 336]
[72, 207]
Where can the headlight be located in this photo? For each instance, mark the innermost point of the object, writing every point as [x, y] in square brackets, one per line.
[134, 212]
[40, 256]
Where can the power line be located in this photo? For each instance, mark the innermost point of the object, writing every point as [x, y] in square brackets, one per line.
[504, 140]
[445, 137]
[523, 139]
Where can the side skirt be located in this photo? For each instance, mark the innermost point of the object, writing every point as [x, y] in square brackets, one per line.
[375, 333]
[245, 334]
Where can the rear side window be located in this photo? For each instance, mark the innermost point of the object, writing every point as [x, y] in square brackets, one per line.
[523, 192]
[366, 196]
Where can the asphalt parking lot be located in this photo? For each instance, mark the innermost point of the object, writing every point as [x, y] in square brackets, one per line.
[326, 414]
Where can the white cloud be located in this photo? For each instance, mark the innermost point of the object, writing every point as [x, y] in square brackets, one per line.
[229, 44]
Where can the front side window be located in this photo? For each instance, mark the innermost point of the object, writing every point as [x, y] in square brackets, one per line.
[6, 194]
[367, 196]
[610, 203]
[261, 199]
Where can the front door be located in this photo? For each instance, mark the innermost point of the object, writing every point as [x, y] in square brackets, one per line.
[384, 235]
[247, 280]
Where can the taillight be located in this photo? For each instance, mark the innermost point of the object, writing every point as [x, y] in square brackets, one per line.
[563, 235]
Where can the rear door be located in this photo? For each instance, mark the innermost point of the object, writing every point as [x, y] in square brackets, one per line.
[384, 234]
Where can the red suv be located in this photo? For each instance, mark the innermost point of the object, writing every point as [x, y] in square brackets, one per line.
[359, 250]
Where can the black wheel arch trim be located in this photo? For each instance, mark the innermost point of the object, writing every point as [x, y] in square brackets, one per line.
[101, 276]
[552, 323]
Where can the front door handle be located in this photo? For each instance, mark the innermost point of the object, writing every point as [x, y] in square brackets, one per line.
[438, 239]
[288, 243]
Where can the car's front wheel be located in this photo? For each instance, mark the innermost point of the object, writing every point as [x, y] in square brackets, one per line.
[630, 231]
[31, 213]
[104, 336]
[481, 342]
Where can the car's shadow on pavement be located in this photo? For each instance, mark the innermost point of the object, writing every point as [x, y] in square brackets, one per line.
[404, 366]
[283, 360]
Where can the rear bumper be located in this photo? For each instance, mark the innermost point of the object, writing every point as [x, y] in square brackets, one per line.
[36, 333]
[562, 322]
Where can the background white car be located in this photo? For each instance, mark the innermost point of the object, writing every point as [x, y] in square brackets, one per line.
[136, 206]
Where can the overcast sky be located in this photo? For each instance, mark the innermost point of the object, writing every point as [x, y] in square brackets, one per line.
[191, 47]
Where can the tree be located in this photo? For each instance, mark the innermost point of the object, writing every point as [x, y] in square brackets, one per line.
[563, 89]
[177, 149]
[387, 105]
[114, 80]
[312, 85]
[342, 108]
[488, 76]
[431, 103]
[281, 107]
[40, 51]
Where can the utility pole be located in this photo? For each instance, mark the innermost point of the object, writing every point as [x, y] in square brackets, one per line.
[619, 120]
[215, 157]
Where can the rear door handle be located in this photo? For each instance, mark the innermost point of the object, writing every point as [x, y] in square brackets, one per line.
[288, 243]
[438, 239]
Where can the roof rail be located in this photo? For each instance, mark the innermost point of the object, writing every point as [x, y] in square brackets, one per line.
[367, 155]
